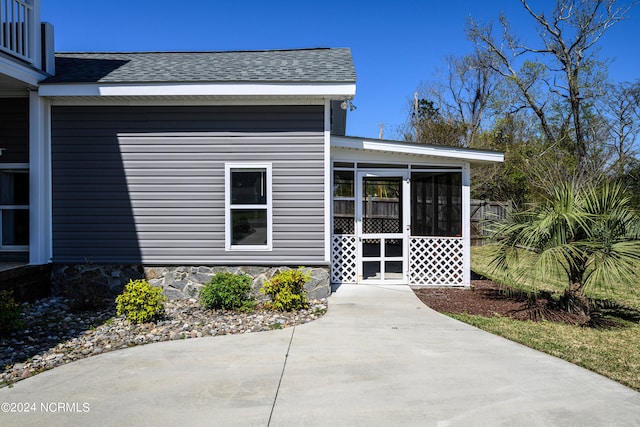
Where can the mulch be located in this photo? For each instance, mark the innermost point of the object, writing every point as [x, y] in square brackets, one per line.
[488, 299]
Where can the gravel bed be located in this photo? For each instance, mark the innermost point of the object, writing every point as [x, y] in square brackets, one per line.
[54, 335]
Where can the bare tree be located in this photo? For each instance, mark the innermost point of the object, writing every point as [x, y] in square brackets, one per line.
[562, 73]
[452, 108]
[621, 107]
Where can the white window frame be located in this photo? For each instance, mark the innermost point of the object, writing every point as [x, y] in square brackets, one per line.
[228, 206]
[20, 168]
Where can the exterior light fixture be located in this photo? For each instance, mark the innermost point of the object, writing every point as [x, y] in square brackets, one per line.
[347, 104]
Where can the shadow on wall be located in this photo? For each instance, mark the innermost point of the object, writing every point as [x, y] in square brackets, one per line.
[93, 218]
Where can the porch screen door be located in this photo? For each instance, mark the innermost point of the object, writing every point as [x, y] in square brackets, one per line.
[382, 221]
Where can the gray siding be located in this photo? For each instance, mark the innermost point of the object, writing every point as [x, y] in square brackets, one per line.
[14, 130]
[146, 184]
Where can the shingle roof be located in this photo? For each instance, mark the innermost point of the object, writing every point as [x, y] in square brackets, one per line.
[298, 66]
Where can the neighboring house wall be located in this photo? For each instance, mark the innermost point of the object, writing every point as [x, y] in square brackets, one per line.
[14, 130]
[146, 184]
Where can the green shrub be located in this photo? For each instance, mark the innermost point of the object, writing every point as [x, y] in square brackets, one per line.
[9, 313]
[140, 302]
[286, 290]
[228, 291]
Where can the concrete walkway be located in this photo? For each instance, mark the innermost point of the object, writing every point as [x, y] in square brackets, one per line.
[379, 357]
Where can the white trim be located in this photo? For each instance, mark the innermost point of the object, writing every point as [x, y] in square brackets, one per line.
[35, 38]
[397, 147]
[227, 207]
[360, 157]
[456, 166]
[40, 242]
[328, 182]
[23, 73]
[11, 166]
[190, 101]
[404, 235]
[199, 89]
[466, 225]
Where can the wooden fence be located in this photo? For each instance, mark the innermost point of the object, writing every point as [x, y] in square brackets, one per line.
[483, 212]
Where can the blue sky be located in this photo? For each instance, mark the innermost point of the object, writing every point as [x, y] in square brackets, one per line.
[395, 44]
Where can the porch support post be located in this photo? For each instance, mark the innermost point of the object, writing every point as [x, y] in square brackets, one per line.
[466, 224]
[328, 193]
[39, 179]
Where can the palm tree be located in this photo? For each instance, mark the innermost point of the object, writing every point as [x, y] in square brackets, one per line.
[589, 233]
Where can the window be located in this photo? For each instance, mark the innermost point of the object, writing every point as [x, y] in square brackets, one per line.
[436, 204]
[248, 206]
[14, 210]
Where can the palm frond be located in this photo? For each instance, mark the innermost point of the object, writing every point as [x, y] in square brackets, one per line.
[589, 233]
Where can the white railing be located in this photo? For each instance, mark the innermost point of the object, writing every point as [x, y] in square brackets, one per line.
[17, 29]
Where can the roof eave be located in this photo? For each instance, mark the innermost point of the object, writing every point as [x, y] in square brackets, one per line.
[333, 90]
[475, 157]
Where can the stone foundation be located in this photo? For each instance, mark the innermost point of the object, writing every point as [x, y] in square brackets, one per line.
[28, 282]
[175, 281]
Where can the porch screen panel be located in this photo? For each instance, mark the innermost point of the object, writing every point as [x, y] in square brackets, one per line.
[343, 240]
[436, 204]
[343, 203]
[381, 207]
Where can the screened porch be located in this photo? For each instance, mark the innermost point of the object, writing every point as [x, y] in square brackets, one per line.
[400, 213]
[397, 225]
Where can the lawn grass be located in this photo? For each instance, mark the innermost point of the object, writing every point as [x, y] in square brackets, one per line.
[527, 278]
[610, 352]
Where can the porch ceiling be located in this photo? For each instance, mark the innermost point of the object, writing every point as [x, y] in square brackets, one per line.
[16, 75]
[10, 87]
[473, 156]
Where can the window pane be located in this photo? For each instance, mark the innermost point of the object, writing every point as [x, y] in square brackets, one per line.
[248, 187]
[382, 205]
[343, 184]
[15, 227]
[371, 248]
[343, 165]
[249, 227]
[14, 188]
[371, 270]
[393, 270]
[393, 247]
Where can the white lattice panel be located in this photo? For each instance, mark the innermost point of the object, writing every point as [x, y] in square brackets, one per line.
[343, 259]
[436, 261]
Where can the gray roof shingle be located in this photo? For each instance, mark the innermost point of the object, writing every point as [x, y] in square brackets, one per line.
[321, 65]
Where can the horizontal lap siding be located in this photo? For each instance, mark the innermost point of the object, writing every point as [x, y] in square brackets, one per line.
[146, 184]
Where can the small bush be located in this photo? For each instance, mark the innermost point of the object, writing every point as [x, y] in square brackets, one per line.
[9, 313]
[228, 291]
[140, 302]
[286, 290]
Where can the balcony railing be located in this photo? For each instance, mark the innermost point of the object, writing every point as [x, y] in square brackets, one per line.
[17, 29]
